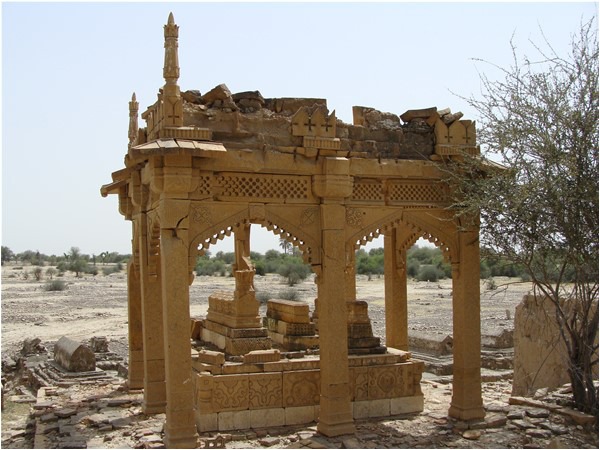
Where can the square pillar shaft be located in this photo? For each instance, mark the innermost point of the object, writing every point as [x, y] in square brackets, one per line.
[467, 403]
[335, 414]
[135, 377]
[152, 327]
[396, 297]
[180, 426]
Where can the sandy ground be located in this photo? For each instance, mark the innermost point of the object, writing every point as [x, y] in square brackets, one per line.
[97, 305]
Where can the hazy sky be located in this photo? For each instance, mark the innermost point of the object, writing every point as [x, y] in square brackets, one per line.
[69, 69]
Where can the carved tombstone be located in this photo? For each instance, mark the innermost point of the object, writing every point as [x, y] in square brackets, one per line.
[74, 356]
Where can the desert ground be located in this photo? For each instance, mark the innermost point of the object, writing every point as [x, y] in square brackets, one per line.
[97, 306]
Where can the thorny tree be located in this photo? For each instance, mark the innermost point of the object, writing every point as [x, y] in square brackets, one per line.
[539, 206]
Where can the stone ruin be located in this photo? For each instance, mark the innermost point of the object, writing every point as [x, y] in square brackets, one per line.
[207, 166]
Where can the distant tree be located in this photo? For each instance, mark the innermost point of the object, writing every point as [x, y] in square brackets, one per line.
[285, 245]
[7, 254]
[50, 272]
[272, 255]
[540, 121]
[37, 273]
[294, 270]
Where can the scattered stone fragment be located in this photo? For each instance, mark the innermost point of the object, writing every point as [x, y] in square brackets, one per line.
[495, 421]
[515, 414]
[66, 430]
[497, 407]
[65, 412]
[151, 438]
[97, 419]
[72, 443]
[50, 417]
[49, 428]
[99, 344]
[537, 413]
[471, 435]
[556, 429]
[541, 393]
[538, 433]
[120, 423]
[269, 441]
[351, 442]
[557, 443]
[113, 402]
[523, 424]
[478, 425]
[578, 417]
[43, 404]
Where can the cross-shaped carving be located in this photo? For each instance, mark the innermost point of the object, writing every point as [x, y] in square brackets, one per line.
[310, 124]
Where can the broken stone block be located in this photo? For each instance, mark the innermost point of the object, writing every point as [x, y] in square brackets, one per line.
[99, 344]
[220, 92]
[74, 356]
[412, 114]
[32, 346]
[192, 96]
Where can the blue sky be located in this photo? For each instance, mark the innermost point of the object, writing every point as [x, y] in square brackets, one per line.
[69, 69]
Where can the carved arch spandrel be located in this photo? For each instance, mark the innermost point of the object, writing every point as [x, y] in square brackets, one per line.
[206, 229]
[436, 226]
[299, 225]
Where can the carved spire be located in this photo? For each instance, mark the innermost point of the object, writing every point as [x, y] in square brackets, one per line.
[133, 120]
[171, 67]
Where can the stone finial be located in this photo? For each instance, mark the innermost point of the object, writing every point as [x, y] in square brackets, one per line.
[133, 120]
[171, 67]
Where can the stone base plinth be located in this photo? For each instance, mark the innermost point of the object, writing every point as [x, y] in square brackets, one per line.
[287, 392]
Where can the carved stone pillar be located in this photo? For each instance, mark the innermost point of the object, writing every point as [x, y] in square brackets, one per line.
[335, 416]
[135, 376]
[466, 401]
[180, 426]
[396, 298]
[335, 413]
[152, 322]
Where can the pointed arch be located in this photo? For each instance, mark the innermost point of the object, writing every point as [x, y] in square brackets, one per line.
[202, 241]
[425, 224]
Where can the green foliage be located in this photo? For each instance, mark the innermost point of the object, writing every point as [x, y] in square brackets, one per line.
[263, 296]
[417, 258]
[286, 294]
[7, 254]
[112, 269]
[494, 265]
[429, 272]
[290, 294]
[293, 269]
[210, 266]
[260, 267]
[490, 284]
[537, 203]
[50, 272]
[370, 263]
[37, 273]
[55, 285]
